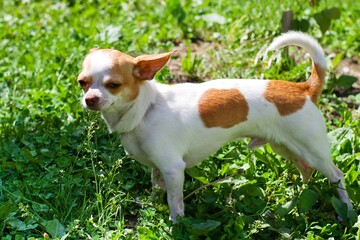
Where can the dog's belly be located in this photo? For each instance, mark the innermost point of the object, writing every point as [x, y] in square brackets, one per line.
[194, 157]
[211, 141]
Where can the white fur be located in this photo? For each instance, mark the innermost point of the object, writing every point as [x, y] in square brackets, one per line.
[98, 69]
[302, 40]
[162, 127]
[99, 65]
[132, 112]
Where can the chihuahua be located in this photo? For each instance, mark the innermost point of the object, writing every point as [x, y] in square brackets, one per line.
[173, 127]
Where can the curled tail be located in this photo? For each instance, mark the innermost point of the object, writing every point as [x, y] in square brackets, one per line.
[316, 80]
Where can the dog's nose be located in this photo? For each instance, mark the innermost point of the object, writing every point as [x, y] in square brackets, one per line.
[91, 101]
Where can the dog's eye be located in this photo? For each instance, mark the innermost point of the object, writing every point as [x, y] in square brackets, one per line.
[82, 83]
[113, 85]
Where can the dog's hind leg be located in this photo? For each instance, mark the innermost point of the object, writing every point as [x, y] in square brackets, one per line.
[335, 175]
[315, 153]
[305, 170]
[319, 157]
[343, 194]
[256, 142]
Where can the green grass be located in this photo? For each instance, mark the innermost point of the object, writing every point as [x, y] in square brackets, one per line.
[62, 175]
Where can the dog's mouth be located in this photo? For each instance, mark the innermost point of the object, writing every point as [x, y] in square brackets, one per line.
[93, 108]
[100, 106]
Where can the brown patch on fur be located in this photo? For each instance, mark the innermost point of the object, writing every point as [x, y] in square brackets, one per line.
[126, 73]
[121, 72]
[223, 108]
[289, 97]
[316, 82]
[85, 79]
[131, 72]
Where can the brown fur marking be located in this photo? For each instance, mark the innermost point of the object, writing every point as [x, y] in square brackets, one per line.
[87, 79]
[316, 82]
[122, 72]
[223, 108]
[289, 97]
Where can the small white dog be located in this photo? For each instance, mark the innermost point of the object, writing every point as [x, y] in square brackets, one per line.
[171, 128]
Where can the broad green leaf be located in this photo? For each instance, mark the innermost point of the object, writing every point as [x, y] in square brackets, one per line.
[322, 21]
[332, 13]
[256, 191]
[38, 207]
[307, 199]
[197, 174]
[17, 224]
[324, 18]
[340, 208]
[345, 81]
[21, 225]
[209, 197]
[302, 25]
[283, 209]
[203, 228]
[55, 228]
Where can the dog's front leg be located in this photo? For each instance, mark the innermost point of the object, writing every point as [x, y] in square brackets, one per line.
[174, 181]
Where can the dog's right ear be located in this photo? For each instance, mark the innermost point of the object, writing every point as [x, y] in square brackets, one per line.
[148, 65]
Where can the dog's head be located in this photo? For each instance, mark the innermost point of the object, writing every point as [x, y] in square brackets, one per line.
[111, 78]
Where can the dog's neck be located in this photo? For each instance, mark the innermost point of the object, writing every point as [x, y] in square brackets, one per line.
[130, 115]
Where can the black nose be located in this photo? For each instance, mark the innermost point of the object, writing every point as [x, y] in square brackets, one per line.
[91, 101]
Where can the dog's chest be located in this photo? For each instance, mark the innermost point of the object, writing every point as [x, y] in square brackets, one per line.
[132, 146]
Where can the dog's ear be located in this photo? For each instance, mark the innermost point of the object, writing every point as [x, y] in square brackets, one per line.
[148, 65]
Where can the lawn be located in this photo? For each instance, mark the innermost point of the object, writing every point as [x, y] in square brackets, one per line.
[64, 176]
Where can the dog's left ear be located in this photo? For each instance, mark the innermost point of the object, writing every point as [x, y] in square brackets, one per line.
[148, 65]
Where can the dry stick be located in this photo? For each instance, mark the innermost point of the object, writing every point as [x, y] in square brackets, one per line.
[214, 182]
